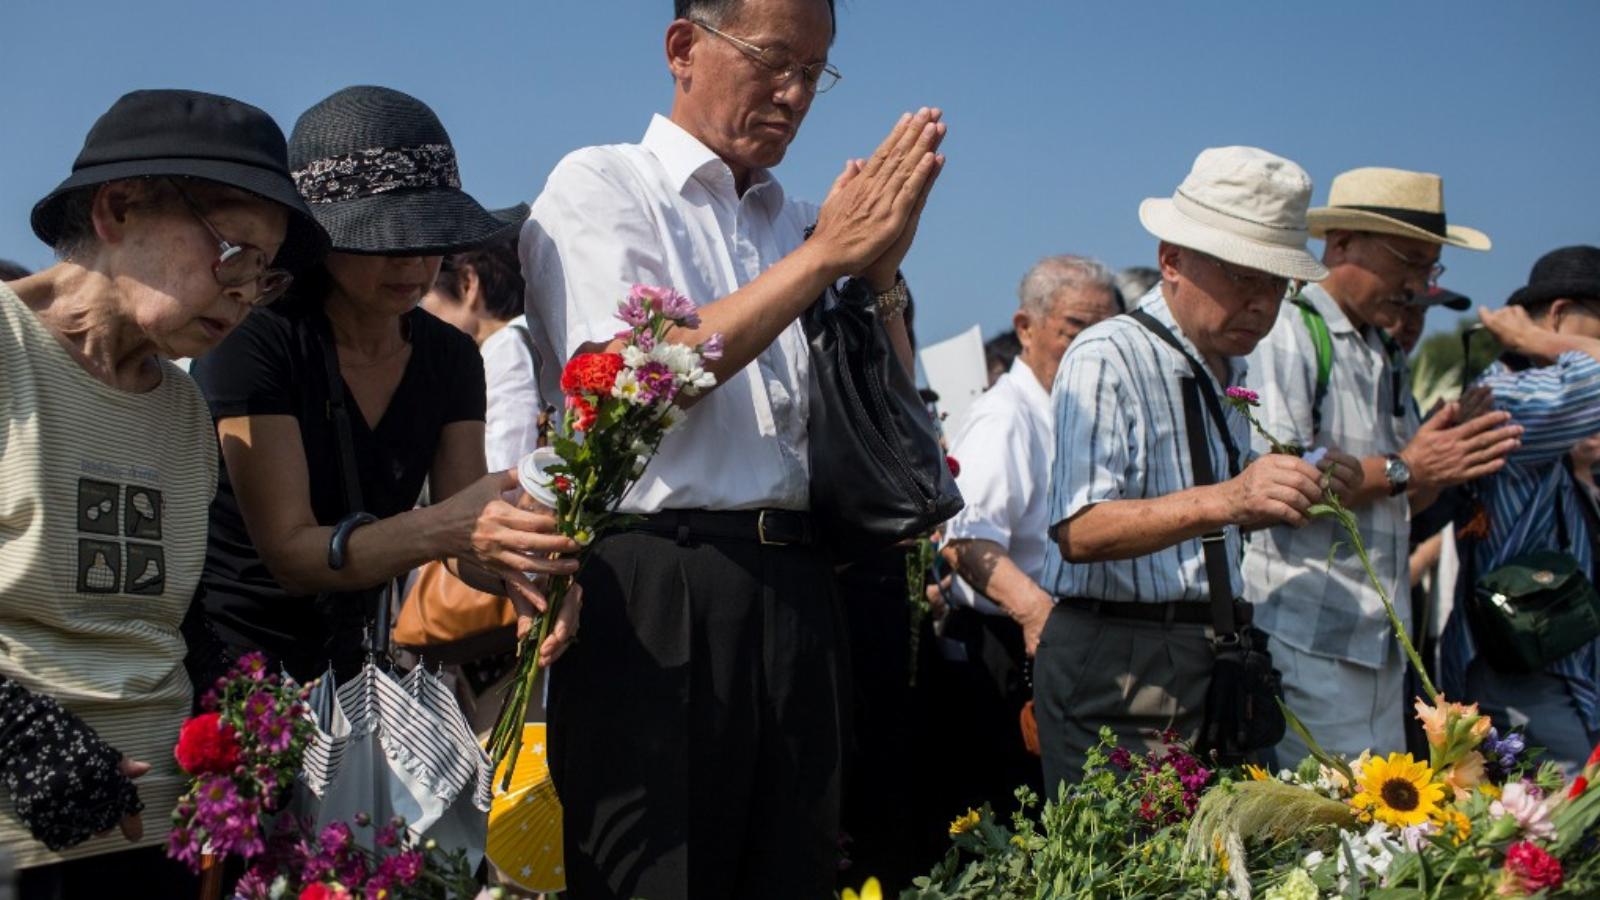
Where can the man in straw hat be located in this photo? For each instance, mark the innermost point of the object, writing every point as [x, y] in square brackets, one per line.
[1329, 375]
[1148, 542]
[1535, 502]
[696, 731]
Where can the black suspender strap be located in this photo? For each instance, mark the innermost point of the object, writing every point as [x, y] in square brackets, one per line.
[1214, 545]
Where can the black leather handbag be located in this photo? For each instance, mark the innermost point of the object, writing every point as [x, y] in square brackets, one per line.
[878, 472]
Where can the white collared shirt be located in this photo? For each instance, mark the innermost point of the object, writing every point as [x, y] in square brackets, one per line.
[665, 212]
[511, 413]
[1004, 449]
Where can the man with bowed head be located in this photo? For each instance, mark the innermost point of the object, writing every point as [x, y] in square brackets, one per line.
[695, 731]
[1129, 643]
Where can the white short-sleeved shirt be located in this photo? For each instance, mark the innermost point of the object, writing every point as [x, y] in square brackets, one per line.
[1004, 448]
[665, 212]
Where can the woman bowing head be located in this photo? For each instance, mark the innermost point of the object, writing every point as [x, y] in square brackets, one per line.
[335, 406]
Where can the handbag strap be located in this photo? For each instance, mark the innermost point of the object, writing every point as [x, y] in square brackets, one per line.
[1219, 580]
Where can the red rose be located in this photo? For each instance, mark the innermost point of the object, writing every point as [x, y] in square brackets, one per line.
[206, 744]
[953, 466]
[591, 373]
[1533, 868]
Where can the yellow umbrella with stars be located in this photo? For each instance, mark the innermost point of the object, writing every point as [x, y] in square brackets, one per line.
[525, 820]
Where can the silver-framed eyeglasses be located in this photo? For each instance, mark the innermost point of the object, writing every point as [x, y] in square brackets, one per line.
[1431, 271]
[818, 78]
[238, 265]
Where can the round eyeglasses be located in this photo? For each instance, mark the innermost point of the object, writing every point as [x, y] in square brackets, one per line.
[240, 265]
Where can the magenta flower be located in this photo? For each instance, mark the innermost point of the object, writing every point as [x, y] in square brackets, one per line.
[1244, 395]
[656, 383]
[335, 836]
[183, 845]
[673, 306]
[253, 666]
[711, 350]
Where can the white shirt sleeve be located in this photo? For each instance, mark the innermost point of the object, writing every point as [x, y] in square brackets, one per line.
[995, 479]
[511, 418]
[592, 235]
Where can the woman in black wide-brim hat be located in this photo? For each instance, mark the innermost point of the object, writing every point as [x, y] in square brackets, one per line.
[179, 217]
[336, 404]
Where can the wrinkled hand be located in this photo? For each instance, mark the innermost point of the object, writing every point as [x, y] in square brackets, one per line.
[1276, 489]
[1344, 473]
[132, 826]
[510, 541]
[1032, 618]
[1447, 451]
[872, 205]
[1513, 328]
[562, 632]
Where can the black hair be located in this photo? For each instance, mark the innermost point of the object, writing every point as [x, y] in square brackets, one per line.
[1000, 351]
[715, 12]
[10, 271]
[498, 272]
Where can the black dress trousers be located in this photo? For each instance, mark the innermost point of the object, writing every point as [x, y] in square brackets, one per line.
[695, 727]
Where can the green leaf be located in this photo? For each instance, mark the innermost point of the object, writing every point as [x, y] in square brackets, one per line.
[1321, 755]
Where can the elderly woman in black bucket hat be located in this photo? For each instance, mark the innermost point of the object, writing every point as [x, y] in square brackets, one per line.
[179, 219]
[336, 404]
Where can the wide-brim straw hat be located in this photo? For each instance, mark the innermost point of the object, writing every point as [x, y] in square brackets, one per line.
[189, 134]
[1571, 272]
[378, 170]
[1392, 201]
[1241, 205]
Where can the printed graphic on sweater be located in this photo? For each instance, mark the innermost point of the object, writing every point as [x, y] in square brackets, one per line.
[110, 566]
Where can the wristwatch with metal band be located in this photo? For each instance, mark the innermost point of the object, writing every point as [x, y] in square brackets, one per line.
[1397, 472]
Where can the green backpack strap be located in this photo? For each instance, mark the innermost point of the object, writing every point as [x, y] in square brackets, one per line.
[1323, 342]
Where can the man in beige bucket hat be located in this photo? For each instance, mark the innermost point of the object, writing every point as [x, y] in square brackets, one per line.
[1329, 375]
[1128, 644]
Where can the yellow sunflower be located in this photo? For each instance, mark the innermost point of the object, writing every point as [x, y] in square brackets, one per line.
[965, 823]
[1398, 791]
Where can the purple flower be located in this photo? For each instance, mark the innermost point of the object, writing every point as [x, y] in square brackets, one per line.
[275, 733]
[711, 350]
[256, 884]
[253, 666]
[656, 383]
[672, 305]
[1502, 753]
[183, 845]
[635, 310]
[335, 836]
[386, 837]
[1121, 758]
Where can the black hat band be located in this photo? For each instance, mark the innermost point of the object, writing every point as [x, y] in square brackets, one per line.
[1433, 223]
[376, 171]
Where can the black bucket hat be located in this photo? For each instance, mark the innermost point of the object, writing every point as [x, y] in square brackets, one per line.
[1438, 296]
[195, 135]
[1571, 272]
[379, 172]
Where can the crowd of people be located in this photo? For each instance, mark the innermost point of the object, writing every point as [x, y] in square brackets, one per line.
[374, 351]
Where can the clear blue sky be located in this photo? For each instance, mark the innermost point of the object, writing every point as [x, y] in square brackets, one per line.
[1062, 115]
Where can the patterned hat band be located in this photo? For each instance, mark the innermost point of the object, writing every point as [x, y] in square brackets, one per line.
[376, 171]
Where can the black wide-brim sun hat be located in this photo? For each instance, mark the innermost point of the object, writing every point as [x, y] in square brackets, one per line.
[190, 134]
[378, 171]
[1570, 272]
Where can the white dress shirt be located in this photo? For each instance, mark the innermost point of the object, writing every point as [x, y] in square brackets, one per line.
[511, 377]
[665, 212]
[1004, 448]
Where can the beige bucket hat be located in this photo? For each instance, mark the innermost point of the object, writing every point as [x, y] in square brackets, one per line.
[1242, 205]
[1392, 201]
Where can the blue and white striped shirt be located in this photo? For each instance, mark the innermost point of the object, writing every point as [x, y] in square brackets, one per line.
[1120, 435]
[1557, 406]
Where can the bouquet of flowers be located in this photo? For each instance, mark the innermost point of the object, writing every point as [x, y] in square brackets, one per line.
[619, 406]
[243, 753]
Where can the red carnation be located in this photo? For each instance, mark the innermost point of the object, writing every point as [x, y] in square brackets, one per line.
[1534, 869]
[587, 414]
[206, 744]
[591, 373]
[320, 891]
[953, 466]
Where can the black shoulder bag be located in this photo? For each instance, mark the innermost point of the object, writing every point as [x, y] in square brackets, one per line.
[878, 473]
[1242, 713]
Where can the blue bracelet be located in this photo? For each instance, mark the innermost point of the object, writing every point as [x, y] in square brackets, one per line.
[341, 537]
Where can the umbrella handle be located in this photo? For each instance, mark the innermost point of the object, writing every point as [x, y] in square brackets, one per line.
[210, 877]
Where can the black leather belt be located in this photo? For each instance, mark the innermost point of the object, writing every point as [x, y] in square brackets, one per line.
[773, 527]
[1187, 612]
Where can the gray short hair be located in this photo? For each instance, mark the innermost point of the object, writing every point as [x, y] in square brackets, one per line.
[1051, 274]
[714, 12]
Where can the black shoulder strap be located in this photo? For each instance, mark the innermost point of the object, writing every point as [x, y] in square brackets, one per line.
[339, 412]
[1203, 379]
[527, 341]
[1214, 545]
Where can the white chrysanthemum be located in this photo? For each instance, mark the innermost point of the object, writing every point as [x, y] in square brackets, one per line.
[680, 359]
[639, 448]
[697, 380]
[672, 419]
[633, 357]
